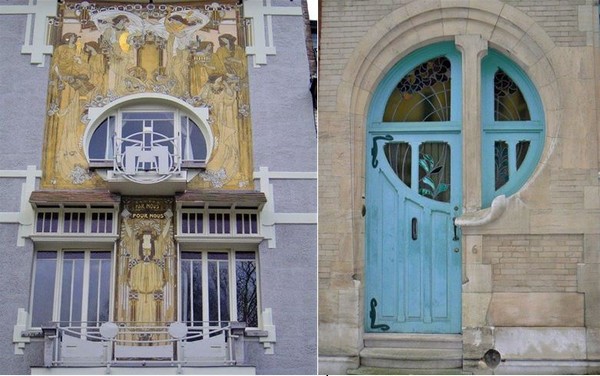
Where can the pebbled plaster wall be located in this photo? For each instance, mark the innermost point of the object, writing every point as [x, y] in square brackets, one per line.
[22, 110]
[284, 139]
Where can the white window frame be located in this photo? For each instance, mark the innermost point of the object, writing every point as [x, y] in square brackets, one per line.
[61, 235]
[150, 102]
[232, 236]
[231, 259]
[60, 252]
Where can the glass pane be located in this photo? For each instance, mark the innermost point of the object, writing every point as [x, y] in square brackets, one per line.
[521, 152]
[246, 289]
[65, 299]
[500, 163]
[193, 142]
[104, 301]
[72, 287]
[99, 142]
[151, 115]
[422, 95]
[92, 313]
[434, 171]
[213, 296]
[224, 290]
[99, 287]
[43, 289]
[509, 103]
[399, 157]
[185, 290]
[197, 291]
[191, 287]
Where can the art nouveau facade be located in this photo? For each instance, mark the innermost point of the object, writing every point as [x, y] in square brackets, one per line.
[159, 201]
[466, 134]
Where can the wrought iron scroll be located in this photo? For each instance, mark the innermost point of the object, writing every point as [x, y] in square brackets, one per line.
[373, 316]
[374, 161]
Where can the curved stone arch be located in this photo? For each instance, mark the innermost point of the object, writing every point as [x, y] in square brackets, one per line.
[421, 23]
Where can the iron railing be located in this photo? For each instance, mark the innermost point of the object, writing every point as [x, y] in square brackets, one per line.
[200, 343]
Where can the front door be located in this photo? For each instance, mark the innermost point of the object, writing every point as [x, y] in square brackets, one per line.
[413, 194]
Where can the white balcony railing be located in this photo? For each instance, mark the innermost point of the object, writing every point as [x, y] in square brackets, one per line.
[133, 344]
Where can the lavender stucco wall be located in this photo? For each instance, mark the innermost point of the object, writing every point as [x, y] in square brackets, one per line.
[22, 108]
[284, 139]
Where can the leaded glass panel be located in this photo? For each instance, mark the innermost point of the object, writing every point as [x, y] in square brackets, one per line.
[434, 171]
[399, 156]
[501, 170]
[521, 152]
[509, 103]
[422, 95]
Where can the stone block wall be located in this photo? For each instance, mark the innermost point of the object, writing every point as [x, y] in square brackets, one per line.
[533, 263]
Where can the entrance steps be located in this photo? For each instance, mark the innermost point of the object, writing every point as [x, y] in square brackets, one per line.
[411, 353]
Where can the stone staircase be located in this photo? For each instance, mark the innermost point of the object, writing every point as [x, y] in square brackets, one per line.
[396, 353]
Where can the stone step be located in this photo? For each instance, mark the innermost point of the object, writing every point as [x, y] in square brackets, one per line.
[405, 358]
[413, 341]
[405, 371]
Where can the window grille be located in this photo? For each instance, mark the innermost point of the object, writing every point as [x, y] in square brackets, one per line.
[247, 223]
[47, 222]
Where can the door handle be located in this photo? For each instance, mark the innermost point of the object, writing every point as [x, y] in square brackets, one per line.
[455, 238]
[414, 229]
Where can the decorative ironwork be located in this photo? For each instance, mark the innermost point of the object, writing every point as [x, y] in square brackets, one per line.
[509, 103]
[373, 316]
[423, 94]
[374, 161]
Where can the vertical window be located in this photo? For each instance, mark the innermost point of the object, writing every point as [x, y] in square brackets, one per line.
[218, 287]
[245, 270]
[47, 221]
[75, 284]
[513, 127]
[43, 287]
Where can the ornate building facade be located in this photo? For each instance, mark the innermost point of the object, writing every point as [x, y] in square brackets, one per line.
[459, 212]
[160, 200]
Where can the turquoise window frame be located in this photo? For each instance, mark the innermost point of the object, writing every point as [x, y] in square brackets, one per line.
[400, 70]
[512, 132]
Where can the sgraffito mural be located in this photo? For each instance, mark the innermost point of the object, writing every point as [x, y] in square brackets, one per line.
[146, 262]
[104, 52]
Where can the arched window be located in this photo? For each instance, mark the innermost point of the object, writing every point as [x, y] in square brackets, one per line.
[513, 127]
[148, 139]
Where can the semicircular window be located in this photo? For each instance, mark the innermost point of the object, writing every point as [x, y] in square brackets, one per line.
[165, 129]
[513, 127]
[422, 95]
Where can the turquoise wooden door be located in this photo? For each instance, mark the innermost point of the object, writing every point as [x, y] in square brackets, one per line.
[413, 193]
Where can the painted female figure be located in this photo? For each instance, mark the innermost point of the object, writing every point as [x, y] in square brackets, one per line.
[204, 64]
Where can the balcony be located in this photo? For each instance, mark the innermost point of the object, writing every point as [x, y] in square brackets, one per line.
[198, 348]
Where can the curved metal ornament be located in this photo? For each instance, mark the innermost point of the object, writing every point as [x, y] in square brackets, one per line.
[374, 161]
[373, 316]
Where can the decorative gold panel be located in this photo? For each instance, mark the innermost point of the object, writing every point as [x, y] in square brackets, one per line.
[191, 51]
[146, 262]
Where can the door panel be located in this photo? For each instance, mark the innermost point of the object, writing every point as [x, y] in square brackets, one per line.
[413, 272]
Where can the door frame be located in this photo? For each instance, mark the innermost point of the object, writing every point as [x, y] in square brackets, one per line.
[375, 127]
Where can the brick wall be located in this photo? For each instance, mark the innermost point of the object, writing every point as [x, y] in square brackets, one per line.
[533, 263]
[559, 18]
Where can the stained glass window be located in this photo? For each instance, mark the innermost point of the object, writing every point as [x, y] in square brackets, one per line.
[422, 95]
[513, 127]
[509, 103]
